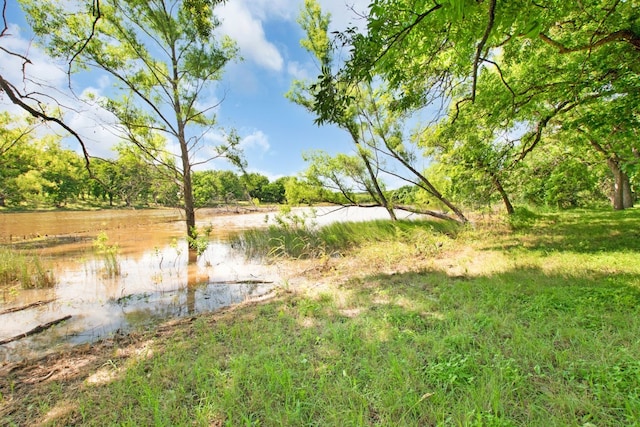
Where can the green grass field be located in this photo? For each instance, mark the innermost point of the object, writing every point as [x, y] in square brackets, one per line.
[486, 326]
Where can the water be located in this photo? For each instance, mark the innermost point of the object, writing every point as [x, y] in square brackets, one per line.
[156, 281]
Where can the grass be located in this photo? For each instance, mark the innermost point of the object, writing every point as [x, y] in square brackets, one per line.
[109, 254]
[534, 327]
[300, 240]
[25, 271]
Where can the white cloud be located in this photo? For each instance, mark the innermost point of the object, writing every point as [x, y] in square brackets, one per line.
[247, 31]
[298, 71]
[244, 21]
[271, 176]
[257, 141]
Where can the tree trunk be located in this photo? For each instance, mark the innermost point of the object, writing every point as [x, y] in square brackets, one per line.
[627, 194]
[380, 194]
[622, 197]
[372, 175]
[427, 185]
[503, 194]
[189, 204]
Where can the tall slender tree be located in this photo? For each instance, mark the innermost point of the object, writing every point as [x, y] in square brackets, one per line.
[375, 129]
[164, 60]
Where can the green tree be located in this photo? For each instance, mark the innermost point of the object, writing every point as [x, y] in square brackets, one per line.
[61, 170]
[163, 66]
[298, 191]
[254, 184]
[274, 192]
[230, 186]
[518, 70]
[377, 131]
[16, 156]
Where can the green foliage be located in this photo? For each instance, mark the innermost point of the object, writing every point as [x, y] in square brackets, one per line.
[36, 171]
[163, 58]
[368, 113]
[217, 187]
[510, 77]
[26, 271]
[109, 254]
[199, 239]
[298, 191]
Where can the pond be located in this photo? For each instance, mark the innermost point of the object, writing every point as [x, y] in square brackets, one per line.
[155, 281]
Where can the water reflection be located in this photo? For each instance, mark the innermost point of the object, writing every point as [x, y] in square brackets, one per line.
[155, 281]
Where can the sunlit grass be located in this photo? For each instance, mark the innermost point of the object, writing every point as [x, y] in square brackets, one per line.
[24, 271]
[338, 238]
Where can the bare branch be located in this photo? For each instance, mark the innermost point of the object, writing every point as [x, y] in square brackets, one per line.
[480, 48]
[17, 99]
[97, 15]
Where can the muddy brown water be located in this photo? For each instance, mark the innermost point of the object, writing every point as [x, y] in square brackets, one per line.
[156, 281]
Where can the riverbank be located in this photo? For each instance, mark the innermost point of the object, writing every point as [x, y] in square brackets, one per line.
[536, 326]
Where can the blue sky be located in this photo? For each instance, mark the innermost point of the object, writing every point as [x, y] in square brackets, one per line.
[275, 131]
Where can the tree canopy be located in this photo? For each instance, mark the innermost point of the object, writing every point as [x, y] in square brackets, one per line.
[502, 77]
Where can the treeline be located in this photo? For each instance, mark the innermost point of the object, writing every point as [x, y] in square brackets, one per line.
[38, 172]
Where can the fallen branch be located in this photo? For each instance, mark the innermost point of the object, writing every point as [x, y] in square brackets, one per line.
[25, 307]
[36, 330]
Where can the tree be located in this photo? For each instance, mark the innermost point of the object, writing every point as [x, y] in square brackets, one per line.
[254, 183]
[34, 169]
[162, 64]
[61, 170]
[274, 192]
[519, 67]
[376, 131]
[16, 157]
[300, 192]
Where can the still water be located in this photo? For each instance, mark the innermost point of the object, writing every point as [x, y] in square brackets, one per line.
[155, 281]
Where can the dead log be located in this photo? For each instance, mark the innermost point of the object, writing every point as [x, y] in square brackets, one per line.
[36, 330]
[25, 307]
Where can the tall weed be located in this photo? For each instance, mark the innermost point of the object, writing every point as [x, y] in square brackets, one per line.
[27, 271]
[109, 254]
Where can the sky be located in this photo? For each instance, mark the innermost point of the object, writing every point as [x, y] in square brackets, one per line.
[274, 131]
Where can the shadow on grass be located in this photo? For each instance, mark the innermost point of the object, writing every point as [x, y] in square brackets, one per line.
[584, 231]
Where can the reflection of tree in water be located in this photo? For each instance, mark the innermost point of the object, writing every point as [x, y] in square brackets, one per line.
[197, 296]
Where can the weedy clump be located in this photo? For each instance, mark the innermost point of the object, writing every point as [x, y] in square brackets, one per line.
[109, 254]
[299, 237]
[27, 271]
